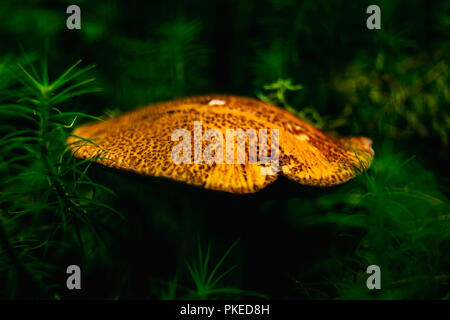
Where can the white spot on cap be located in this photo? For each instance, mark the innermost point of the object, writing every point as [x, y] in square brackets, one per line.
[216, 102]
[285, 169]
[302, 137]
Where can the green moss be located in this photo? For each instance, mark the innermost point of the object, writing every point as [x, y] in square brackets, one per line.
[136, 237]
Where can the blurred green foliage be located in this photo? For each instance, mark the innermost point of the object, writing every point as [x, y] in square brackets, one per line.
[403, 217]
[314, 58]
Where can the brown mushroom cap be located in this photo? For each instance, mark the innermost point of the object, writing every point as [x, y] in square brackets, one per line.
[140, 141]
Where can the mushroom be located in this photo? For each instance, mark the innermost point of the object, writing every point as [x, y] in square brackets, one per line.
[143, 141]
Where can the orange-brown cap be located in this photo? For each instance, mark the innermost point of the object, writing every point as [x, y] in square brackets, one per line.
[141, 141]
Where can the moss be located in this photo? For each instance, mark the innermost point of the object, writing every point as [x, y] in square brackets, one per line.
[132, 237]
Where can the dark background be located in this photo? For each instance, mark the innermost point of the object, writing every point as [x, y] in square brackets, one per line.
[294, 242]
